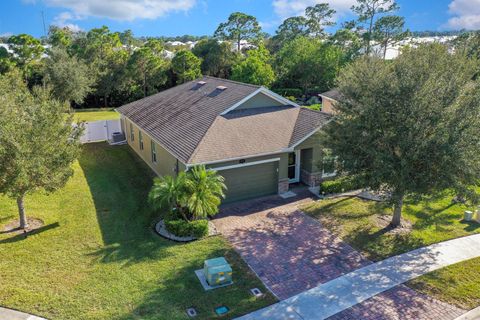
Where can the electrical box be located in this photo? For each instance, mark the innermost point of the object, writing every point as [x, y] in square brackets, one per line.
[217, 271]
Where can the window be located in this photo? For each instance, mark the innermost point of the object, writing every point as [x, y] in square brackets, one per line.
[328, 164]
[132, 133]
[154, 151]
[140, 139]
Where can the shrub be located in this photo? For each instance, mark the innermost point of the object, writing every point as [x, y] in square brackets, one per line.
[316, 107]
[182, 228]
[288, 92]
[338, 185]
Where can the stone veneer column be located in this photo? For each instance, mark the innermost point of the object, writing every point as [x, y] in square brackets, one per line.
[283, 185]
[311, 179]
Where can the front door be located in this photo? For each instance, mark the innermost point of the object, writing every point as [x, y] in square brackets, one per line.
[294, 166]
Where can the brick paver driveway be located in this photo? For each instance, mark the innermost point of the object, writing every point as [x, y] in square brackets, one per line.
[291, 253]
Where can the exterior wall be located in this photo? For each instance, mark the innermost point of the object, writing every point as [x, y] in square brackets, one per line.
[327, 105]
[258, 101]
[282, 165]
[311, 155]
[166, 163]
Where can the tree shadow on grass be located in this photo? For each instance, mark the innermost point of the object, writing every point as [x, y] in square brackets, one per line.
[119, 182]
[379, 244]
[171, 296]
[25, 235]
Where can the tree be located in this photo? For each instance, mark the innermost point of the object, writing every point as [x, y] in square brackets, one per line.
[240, 26]
[291, 28]
[186, 66]
[348, 41]
[308, 63]
[217, 58]
[60, 37]
[147, 68]
[469, 44]
[103, 52]
[410, 126]
[389, 31]
[255, 68]
[69, 77]
[205, 190]
[6, 62]
[194, 195]
[27, 52]
[319, 16]
[38, 144]
[367, 10]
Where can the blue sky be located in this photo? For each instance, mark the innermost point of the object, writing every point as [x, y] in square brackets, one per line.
[201, 17]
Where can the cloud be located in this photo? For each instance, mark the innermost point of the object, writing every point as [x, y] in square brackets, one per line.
[125, 10]
[289, 8]
[466, 14]
[63, 20]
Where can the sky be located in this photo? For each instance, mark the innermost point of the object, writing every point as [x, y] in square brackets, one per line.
[201, 17]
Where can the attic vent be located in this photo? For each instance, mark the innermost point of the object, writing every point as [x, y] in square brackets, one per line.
[221, 88]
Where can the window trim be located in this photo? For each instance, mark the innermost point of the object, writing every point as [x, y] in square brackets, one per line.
[140, 140]
[153, 153]
[132, 132]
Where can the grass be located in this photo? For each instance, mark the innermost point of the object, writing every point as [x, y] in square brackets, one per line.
[432, 221]
[95, 115]
[98, 258]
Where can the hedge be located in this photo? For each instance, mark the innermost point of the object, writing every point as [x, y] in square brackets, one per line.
[182, 228]
[338, 185]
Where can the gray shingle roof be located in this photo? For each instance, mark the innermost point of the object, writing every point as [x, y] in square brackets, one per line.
[187, 121]
[333, 94]
[308, 121]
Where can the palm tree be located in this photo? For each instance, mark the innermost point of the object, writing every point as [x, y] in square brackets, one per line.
[205, 189]
[168, 193]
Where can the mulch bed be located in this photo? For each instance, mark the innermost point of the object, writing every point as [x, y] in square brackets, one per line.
[383, 222]
[13, 227]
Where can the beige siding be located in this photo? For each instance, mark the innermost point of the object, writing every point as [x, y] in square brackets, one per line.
[258, 101]
[327, 105]
[166, 163]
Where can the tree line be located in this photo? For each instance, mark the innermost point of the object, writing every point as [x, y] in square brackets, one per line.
[101, 68]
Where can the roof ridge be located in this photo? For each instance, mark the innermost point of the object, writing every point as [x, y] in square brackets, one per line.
[233, 81]
[294, 126]
[195, 151]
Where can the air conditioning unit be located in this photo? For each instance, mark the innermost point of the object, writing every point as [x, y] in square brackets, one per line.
[118, 137]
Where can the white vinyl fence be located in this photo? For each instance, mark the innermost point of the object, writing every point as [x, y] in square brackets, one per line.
[100, 130]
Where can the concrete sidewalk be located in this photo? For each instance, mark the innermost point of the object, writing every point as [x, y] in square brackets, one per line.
[9, 314]
[346, 291]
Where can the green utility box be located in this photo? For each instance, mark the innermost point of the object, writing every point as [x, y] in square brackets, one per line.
[217, 271]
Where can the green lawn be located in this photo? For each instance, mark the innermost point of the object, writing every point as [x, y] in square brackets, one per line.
[98, 258]
[355, 221]
[95, 115]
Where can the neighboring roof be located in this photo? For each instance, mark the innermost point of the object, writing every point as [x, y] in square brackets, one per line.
[187, 120]
[333, 94]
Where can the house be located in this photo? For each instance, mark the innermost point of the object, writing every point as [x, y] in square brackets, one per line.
[329, 99]
[259, 141]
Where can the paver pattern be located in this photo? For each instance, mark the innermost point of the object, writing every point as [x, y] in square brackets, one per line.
[400, 303]
[286, 248]
[292, 253]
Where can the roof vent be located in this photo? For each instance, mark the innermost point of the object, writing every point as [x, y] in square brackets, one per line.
[221, 88]
[201, 83]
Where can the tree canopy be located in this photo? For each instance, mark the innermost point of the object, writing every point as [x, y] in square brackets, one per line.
[186, 66]
[255, 68]
[37, 142]
[240, 26]
[410, 126]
